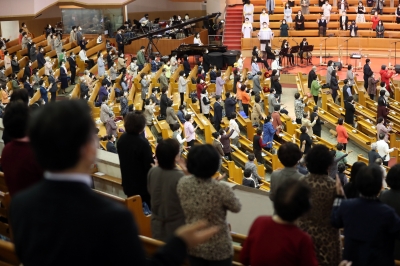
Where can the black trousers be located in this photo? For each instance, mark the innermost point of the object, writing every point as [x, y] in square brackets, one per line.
[182, 97]
[317, 133]
[258, 155]
[245, 108]
[121, 48]
[217, 125]
[259, 60]
[372, 96]
[191, 143]
[90, 63]
[53, 96]
[73, 74]
[315, 100]
[386, 163]
[298, 121]
[228, 155]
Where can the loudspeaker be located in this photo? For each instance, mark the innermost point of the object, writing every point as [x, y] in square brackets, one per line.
[338, 64]
[397, 69]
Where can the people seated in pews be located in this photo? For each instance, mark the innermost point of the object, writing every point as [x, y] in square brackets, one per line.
[7, 59]
[15, 64]
[19, 164]
[248, 180]
[250, 165]
[257, 54]
[299, 21]
[353, 214]
[293, 201]
[285, 50]
[84, 58]
[55, 157]
[247, 28]
[153, 96]
[84, 89]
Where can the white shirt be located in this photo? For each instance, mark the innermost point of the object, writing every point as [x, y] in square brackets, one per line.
[180, 139]
[82, 55]
[234, 126]
[72, 177]
[197, 41]
[99, 40]
[275, 65]
[383, 149]
[327, 9]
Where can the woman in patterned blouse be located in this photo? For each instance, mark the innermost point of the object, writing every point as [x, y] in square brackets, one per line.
[203, 197]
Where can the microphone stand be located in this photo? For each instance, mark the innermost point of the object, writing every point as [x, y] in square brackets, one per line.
[297, 57]
[395, 55]
[347, 49]
[325, 48]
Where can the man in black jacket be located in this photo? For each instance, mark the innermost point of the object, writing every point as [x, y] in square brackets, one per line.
[40, 58]
[217, 113]
[53, 82]
[163, 102]
[206, 61]
[311, 76]
[72, 67]
[230, 104]
[110, 146]
[317, 127]
[367, 72]
[62, 221]
[350, 110]
[120, 41]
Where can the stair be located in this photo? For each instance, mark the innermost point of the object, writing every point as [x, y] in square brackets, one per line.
[233, 27]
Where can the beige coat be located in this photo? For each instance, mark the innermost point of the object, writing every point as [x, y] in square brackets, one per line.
[306, 122]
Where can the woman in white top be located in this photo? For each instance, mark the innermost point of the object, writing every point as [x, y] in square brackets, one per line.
[248, 10]
[350, 75]
[360, 10]
[197, 40]
[174, 63]
[287, 13]
[236, 131]
[48, 66]
[240, 63]
[264, 17]
[182, 85]
[247, 29]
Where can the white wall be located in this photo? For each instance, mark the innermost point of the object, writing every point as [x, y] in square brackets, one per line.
[162, 5]
[214, 6]
[10, 29]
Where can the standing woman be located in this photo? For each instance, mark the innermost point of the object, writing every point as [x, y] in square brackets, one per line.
[203, 161]
[186, 65]
[342, 136]
[254, 66]
[270, 6]
[334, 85]
[375, 19]
[305, 7]
[316, 222]
[100, 64]
[63, 77]
[182, 85]
[48, 66]
[287, 13]
[205, 103]
[268, 133]
[397, 13]
[248, 10]
[380, 29]
[299, 20]
[226, 142]
[350, 76]
[264, 17]
[284, 29]
[247, 28]
[7, 59]
[145, 82]
[360, 10]
[190, 130]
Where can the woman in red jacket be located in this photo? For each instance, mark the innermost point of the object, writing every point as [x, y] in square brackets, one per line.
[342, 136]
[375, 19]
[385, 77]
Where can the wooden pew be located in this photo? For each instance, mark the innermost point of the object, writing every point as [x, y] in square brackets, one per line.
[8, 256]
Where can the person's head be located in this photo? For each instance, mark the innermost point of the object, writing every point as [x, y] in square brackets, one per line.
[257, 98]
[339, 146]
[181, 73]
[360, 3]
[283, 21]
[374, 146]
[343, 13]
[319, 159]
[15, 119]
[330, 62]
[247, 173]
[380, 120]
[376, 15]
[216, 135]
[381, 136]
[379, 161]
[393, 177]
[218, 98]
[382, 92]
[243, 87]
[203, 161]
[142, 48]
[292, 200]
[163, 90]
[265, 25]
[272, 90]
[341, 167]
[167, 151]
[259, 132]
[315, 109]
[263, 10]
[218, 73]
[299, 13]
[289, 154]
[274, 72]
[333, 73]
[134, 123]
[303, 129]
[355, 168]
[188, 118]
[340, 121]
[367, 61]
[369, 180]
[305, 115]
[267, 119]
[350, 99]
[72, 122]
[277, 108]
[232, 116]
[169, 103]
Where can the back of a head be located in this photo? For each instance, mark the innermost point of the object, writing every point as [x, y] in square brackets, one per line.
[393, 177]
[20, 95]
[292, 200]
[247, 172]
[59, 131]
[15, 119]
[166, 152]
[289, 154]
[319, 159]
[369, 180]
[355, 168]
[134, 123]
[203, 161]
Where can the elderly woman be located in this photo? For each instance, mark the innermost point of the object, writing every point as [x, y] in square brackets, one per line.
[372, 86]
[383, 105]
[216, 199]
[316, 223]
[305, 122]
[101, 67]
[48, 66]
[342, 136]
[145, 82]
[268, 132]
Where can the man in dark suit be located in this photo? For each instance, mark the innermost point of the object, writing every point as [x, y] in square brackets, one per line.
[206, 61]
[135, 157]
[72, 67]
[367, 72]
[350, 110]
[317, 127]
[28, 86]
[110, 146]
[217, 113]
[311, 76]
[53, 82]
[40, 58]
[256, 83]
[28, 69]
[120, 41]
[62, 221]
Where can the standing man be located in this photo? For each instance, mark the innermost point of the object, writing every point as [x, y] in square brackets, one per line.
[256, 83]
[367, 72]
[317, 126]
[72, 67]
[383, 149]
[206, 61]
[265, 35]
[217, 113]
[120, 41]
[140, 58]
[312, 75]
[72, 34]
[79, 35]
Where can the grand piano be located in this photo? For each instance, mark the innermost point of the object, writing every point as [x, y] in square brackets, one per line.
[195, 49]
